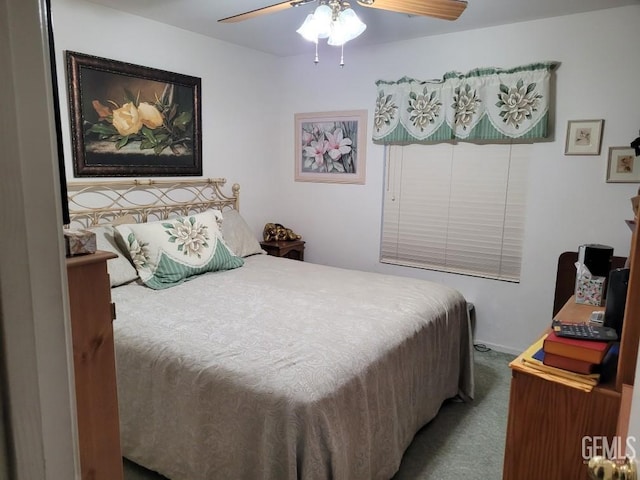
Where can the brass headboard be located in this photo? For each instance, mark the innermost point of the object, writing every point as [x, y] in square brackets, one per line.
[93, 203]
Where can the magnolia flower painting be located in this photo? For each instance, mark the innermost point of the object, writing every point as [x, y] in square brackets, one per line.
[131, 120]
[152, 127]
[330, 147]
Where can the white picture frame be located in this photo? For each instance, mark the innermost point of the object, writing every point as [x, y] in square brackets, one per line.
[330, 147]
[623, 166]
[584, 137]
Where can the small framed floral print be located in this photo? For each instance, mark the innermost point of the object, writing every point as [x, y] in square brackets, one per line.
[330, 146]
[623, 166]
[128, 120]
[584, 137]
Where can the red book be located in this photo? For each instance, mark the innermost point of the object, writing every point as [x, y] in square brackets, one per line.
[571, 364]
[591, 351]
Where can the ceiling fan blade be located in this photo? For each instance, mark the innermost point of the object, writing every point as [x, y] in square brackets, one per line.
[277, 7]
[443, 9]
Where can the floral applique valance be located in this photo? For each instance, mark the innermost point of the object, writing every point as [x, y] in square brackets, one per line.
[483, 104]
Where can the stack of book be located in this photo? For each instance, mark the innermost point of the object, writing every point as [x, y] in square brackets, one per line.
[578, 356]
[571, 362]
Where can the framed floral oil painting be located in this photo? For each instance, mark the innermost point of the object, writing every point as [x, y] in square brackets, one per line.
[584, 137]
[330, 146]
[129, 120]
[623, 166]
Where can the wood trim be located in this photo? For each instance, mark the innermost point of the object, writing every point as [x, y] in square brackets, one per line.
[97, 257]
[631, 322]
[625, 413]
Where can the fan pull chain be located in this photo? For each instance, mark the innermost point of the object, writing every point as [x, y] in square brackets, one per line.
[317, 58]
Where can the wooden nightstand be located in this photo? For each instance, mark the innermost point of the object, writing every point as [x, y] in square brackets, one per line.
[285, 248]
[92, 314]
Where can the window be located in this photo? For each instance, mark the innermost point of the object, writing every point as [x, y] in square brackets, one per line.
[456, 208]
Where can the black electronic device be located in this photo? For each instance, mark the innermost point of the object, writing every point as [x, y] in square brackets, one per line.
[616, 299]
[597, 258]
[584, 331]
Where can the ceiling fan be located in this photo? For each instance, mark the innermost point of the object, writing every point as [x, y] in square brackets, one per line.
[442, 9]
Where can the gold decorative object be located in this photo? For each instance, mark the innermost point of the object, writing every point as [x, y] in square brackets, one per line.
[601, 468]
[277, 232]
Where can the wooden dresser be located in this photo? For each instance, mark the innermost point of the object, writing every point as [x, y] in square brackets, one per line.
[549, 420]
[94, 365]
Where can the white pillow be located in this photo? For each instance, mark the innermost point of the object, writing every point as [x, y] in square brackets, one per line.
[167, 252]
[120, 269]
[238, 235]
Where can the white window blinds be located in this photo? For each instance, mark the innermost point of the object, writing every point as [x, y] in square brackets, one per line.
[456, 208]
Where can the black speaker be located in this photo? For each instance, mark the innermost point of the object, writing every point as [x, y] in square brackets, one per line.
[616, 299]
[596, 257]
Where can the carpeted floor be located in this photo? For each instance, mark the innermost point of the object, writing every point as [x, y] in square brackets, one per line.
[465, 440]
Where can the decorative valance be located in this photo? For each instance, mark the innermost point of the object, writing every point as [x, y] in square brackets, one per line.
[483, 104]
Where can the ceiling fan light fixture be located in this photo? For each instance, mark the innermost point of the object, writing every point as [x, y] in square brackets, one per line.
[317, 24]
[323, 18]
[346, 28]
[339, 35]
[308, 29]
[336, 21]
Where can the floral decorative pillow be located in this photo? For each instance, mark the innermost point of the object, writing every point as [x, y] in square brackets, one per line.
[167, 252]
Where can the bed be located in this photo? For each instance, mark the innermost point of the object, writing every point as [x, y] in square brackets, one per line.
[274, 368]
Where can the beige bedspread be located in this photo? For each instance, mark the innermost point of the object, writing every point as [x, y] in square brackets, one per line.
[285, 370]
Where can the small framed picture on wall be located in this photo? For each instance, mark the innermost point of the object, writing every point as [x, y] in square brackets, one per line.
[584, 137]
[623, 166]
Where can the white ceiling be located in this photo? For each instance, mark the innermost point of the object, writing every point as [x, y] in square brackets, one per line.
[275, 33]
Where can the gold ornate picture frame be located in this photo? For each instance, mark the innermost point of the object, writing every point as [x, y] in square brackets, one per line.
[129, 120]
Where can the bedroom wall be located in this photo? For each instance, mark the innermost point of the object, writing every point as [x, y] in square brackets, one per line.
[249, 99]
[569, 202]
[238, 96]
